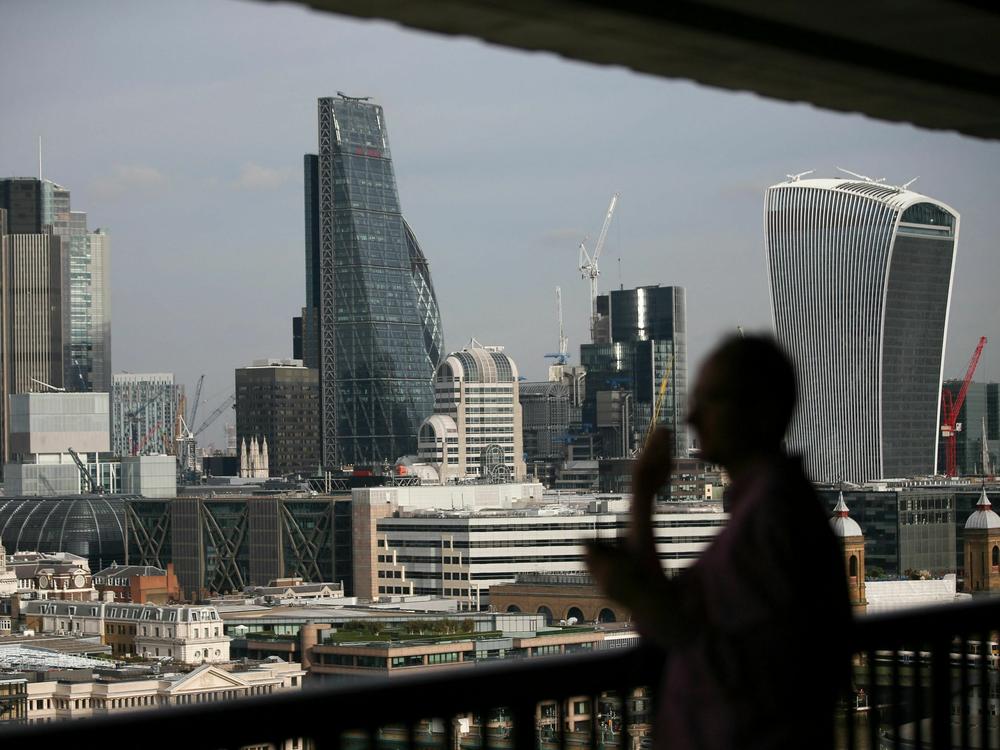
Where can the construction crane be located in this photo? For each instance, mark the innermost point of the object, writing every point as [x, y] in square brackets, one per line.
[562, 356]
[197, 399]
[659, 398]
[133, 418]
[230, 400]
[950, 408]
[95, 486]
[588, 264]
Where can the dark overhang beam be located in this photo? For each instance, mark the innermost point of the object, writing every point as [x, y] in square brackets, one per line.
[932, 63]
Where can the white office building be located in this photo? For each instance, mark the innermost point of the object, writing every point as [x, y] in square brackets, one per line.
[475, 431]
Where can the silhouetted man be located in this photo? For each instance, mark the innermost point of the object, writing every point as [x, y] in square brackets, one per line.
[756, 629]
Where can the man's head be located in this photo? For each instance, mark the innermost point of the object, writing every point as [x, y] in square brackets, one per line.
[743, 400]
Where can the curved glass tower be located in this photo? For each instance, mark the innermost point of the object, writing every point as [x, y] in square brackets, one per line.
[379, 331]
[860, 276]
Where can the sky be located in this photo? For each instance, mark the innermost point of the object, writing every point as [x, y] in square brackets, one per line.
[180, 126]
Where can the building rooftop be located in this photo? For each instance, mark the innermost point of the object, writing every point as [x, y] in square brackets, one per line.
[984, 516]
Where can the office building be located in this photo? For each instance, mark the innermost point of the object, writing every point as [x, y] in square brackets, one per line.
[42, 208]
[143, 413]
[860, 277]
[187, 634]
[475, 431]
[640, 371]
[225, 544]
[78, 687]
[551, 421]
[379, 327]
[277, 401]
[977, 441]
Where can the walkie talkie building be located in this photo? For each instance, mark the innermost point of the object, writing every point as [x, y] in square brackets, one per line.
[379, 333]
[860, 276]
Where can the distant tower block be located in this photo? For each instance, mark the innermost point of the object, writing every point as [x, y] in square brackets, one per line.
[848, 531]
[982, 549]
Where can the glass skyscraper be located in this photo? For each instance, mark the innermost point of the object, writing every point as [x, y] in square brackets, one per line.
[860, 276]
[647, 349]
[379, 335]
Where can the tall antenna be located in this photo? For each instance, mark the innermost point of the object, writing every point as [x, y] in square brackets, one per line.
[620, 284]
[39, 158]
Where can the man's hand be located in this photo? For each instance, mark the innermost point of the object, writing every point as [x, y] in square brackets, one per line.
[653, 466]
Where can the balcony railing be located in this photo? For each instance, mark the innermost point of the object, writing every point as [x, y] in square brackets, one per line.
[922, 678]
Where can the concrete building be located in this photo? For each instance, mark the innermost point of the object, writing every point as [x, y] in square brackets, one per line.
[187, 634]
[461, 554]
[860, 275]
[333, 658]
[379, 333]
[149, 476]
[143, 413]
[475, 432]
[639, 370]
[58, 687]
[277, 401]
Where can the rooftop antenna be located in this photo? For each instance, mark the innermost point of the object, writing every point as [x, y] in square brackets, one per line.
[39, 158]
[800, 175]
[620, 284]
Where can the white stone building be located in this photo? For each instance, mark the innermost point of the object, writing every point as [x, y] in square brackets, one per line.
[475, 431]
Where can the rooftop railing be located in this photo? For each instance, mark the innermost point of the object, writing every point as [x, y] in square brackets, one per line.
[924, 678]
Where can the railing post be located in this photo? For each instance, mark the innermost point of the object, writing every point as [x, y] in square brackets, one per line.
[940, 694]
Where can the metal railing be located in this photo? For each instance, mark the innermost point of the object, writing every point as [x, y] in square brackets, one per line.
[921, 678]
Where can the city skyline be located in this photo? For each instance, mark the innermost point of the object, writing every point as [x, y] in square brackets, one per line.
[505, 161]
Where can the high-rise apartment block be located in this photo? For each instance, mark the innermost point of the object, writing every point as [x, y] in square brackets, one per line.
[475, 431]
[371, 318]
[639, 374]
[278, 401]
[143, 413]
[860, 276]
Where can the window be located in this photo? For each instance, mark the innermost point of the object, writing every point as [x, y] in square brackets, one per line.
[448, 658]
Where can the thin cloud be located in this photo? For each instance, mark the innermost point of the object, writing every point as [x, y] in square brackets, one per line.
[257, 177]
[126, 178]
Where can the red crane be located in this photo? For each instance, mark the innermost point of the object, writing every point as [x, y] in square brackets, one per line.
[949, 412]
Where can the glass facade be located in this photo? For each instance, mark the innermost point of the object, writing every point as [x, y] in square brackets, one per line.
[648, 331]
[860, 279]
[92, 527]
[380, 331]
[222, 545]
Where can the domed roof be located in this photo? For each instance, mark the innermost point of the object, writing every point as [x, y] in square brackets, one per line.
[984, 517]
[842, 523]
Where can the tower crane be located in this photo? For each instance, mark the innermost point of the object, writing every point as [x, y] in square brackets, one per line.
[562, 356]
[230, 400]
[950, 409]
[588, 264]
[197, 399]
[133, 418]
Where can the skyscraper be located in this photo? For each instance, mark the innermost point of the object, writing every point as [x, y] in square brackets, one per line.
[860, 276]
[379, 329]
[42, 207]
[640, 372]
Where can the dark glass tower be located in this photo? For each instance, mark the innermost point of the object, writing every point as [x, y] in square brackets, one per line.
[648, 346]
[379, 328]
